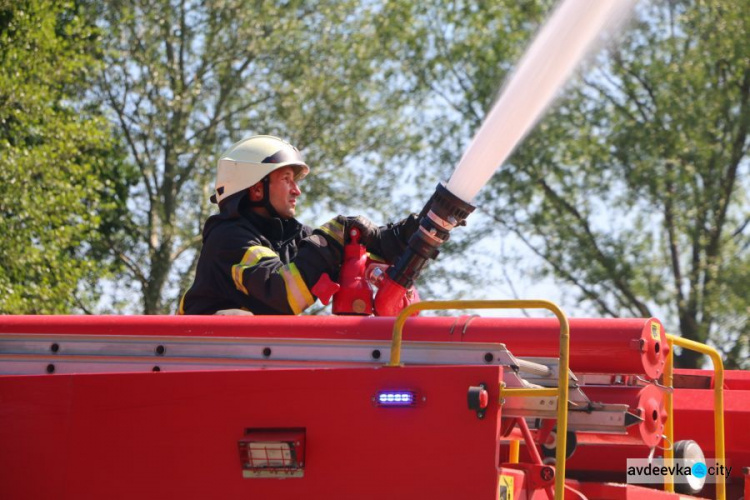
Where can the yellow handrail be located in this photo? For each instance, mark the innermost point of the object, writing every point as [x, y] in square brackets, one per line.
[562, 379]
[721, 487]
[669, 427]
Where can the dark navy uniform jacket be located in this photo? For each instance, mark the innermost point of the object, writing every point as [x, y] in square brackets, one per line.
[259, 264]
[269, 265]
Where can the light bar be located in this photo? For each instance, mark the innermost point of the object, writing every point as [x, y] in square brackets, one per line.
[395, 398]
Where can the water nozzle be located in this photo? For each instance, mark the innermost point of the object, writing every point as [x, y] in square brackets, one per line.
[442, 212]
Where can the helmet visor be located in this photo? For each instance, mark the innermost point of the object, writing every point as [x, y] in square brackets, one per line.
[289, 157]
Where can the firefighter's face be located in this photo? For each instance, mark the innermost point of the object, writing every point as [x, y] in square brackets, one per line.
[283, 192]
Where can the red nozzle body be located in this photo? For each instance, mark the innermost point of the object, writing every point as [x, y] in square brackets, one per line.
[391, 298]
[355, 295]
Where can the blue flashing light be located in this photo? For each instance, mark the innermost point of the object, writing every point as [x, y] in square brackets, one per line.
[396, 398]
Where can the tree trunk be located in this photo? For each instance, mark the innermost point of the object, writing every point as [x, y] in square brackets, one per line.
[160, 267]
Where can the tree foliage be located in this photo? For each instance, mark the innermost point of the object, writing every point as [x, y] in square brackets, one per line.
[452, 56]
[633, 191]
[184, 79]
[58, 159]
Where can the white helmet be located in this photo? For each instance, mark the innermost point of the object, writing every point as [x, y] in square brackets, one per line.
[247, 162]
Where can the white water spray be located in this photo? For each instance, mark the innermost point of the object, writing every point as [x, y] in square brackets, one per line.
[544, 68]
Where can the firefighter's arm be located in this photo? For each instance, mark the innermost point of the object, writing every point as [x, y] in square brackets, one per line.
[394, 237]
[387, 241]
[260, 276]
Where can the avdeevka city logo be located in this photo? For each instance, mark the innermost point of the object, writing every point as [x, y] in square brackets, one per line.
[656, 470]
[700, 470]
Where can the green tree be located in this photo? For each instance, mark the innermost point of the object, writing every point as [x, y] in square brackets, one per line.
[58, 188]
[633, 190]
[184, 79]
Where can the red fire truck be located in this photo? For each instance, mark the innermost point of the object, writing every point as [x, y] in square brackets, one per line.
[359, 407]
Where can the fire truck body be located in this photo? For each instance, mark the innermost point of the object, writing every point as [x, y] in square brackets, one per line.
[306, 407]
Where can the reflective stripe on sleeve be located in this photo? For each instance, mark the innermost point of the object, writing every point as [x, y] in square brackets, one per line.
[377, 258]
[252, 256]
[297, 293]
[335, 230]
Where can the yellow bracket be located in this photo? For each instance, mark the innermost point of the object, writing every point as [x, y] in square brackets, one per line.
[527, 393]
[562, 383]
[515, 448]
[721, 487]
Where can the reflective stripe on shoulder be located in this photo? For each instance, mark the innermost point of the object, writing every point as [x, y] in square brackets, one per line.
[252, 256]
[297, 293]
[335, 230]
[181, 309]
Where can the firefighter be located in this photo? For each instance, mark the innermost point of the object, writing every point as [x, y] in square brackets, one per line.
[256, 257]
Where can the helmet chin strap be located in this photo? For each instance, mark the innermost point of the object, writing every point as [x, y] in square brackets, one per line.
[265, 202]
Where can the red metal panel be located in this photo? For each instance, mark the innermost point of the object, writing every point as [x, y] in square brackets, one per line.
[616, 491]
[693, 420]
[733, 379]
[175, 435]
[515, 483]
[610, 345]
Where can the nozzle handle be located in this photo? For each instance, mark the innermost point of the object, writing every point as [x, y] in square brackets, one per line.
[354, 235]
